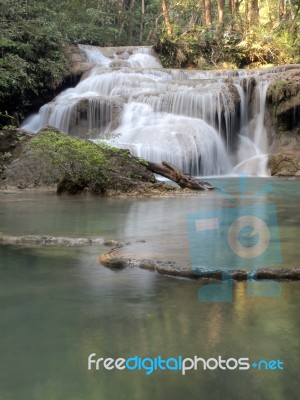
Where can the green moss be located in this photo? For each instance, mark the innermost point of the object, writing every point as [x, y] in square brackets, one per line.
[77, 159]
[278, 90]
[143, 162]
[79, 164]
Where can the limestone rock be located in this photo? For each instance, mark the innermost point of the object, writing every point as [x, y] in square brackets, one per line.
[94, 116]
[76, 62]
[285, 163]
[283, 96]
[12, 142]
[282, 120]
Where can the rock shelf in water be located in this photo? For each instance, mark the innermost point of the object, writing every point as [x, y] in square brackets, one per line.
[114, 260]
[50, 240]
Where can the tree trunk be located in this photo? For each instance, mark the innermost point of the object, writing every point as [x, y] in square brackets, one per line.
[142, 21]
[221, 6]
[120, 12]
[254, 13]
[206, 12]
[166, 16]
[247, 14]
[184, 180]
[281, 9]
[269, 12]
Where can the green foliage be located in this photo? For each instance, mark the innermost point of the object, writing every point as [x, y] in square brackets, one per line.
[277, 90]
[201, 47]
[32, 60]
[76, 164]
[9, 119]
[143, 162]
[76, 159]
[260, 48]
[236, 41]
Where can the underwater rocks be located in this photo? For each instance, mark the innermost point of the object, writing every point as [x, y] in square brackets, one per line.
[114, 260]
[50, 240]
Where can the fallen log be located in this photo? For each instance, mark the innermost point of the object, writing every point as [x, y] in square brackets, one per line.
[182, 179]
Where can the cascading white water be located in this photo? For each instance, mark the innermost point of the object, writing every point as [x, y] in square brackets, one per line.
[253, 144]
[197, 120]
[189, 143]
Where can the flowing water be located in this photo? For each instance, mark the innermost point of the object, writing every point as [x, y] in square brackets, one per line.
[58, 304]
[207, 123]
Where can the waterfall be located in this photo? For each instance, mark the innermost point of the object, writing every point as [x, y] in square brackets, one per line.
[207, 123]
[253, 144]
[189, 143]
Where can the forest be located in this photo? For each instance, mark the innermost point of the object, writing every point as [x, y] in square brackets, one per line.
[201, 34]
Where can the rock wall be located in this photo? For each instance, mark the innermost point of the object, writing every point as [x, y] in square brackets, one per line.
[76, 62]
[282, 119]
[285, 162]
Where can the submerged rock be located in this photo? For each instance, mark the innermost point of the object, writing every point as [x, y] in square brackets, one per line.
[50, 240]
[115, 260]
[113, 243]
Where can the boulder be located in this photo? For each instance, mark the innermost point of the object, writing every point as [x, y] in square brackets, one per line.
[76, 62]
[285, 163]
[12, 142]
[282, 120]
[283, 102]
[8, 139]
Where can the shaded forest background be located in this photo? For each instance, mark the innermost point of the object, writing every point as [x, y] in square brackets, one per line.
[200, 34]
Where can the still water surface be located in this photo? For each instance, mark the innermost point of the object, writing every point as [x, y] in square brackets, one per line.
[58, 304]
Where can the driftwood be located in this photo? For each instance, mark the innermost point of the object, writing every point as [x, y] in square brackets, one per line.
[182, 179]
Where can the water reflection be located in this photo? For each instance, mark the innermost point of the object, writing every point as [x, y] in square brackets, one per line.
[58, 304]
[55, 311]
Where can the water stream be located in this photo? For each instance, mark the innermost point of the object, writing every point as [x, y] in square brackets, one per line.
[207, 123]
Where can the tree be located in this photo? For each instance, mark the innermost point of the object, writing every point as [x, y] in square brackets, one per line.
[142, 20]
[221, 7]
[166, 16]
[206, 12]
[254, 13]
